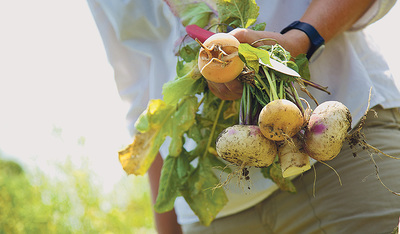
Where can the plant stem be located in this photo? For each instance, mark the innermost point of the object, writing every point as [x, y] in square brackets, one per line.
[274, 95]
[296, 97]
[315, 85]
[213, 128]
[201, 102]
[265, 87]
[281, 91]
[242, 109]
[249, 106]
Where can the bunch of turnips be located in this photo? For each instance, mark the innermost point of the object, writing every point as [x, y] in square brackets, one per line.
[270, 128]
[283, 130]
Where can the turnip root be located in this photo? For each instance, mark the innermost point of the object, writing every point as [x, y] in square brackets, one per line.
[280, 120]
[292, 157]
[219, 59]
[327, 130]
[244, 145]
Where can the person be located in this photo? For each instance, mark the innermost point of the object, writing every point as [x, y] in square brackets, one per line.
[139, 38]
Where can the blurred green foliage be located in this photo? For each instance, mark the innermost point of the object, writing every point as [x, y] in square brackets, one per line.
[32, 202]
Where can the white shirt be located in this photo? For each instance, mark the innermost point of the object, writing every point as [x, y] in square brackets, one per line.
[140, 35]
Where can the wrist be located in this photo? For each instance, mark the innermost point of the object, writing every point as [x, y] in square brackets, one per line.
[297, 42]
[316, 41]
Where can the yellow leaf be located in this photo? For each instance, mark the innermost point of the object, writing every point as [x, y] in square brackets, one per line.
[137, 157]
[155, 105]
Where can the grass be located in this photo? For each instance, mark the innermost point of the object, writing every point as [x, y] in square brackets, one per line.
[32, 202]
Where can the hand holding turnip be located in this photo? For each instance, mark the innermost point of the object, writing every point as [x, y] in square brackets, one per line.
[231, 90]
[220, 64]
[294, 41]
[219, 59]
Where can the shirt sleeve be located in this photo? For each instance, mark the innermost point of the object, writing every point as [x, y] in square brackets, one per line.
[138, 36]
[379, 9]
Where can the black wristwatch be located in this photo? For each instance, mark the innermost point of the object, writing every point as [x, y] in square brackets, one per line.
[317, 42]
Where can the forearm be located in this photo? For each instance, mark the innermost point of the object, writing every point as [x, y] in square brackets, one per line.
[166, 223]
[333, 17]
[329, 17]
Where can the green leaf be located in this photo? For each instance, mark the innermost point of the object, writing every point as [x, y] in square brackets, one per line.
[168, 190]
[237, 13]
[206, 118]
[274, 172]
[302, 63]
[195, 132]
[138, 156]
[252, 55]
[232, 110]
[149, 118]
[201, 194]
[259, 27]
[187, 83]
[189, 52]
[261, 96]
[174, 173]
[157, 122]
[196, 13]
[217, 163]
[183, 167]
[183, 119]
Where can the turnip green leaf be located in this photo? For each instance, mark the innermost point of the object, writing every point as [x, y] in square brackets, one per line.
[168, 190]
[238, 13]
[252, 55]
[196, 13]
[201, 194]
[188, 82]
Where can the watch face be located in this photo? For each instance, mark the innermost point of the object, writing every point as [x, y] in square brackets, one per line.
[317, 53]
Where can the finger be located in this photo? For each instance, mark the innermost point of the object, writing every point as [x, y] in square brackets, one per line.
[218, 90]
[256, 38]
[243, 35]
[235, 87]
[222, 91]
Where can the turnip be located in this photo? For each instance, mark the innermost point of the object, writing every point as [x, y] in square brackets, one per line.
[292, 157]
[244, 145]
[219, 59]
[327, 130]
[280, 119]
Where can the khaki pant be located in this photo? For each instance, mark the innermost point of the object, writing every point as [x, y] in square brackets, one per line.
[360, 205]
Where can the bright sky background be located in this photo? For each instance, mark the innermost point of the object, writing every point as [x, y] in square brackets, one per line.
[57, 88]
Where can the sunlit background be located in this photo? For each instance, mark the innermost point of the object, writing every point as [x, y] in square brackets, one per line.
[57, 94]
[58, 100]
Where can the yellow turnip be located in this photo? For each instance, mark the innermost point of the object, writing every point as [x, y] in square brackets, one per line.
[280, 119]
[219, 59]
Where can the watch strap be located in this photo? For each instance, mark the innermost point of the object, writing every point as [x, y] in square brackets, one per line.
[316, 39]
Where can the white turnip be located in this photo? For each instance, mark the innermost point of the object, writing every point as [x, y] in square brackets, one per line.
[244, 145]
[292, 157]
[327, 130]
